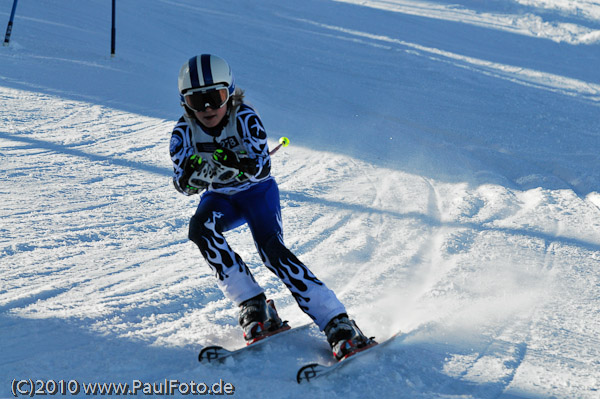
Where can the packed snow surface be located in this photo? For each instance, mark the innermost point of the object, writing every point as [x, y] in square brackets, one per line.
[443, 179]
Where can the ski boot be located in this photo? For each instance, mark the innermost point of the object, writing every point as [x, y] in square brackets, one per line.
[259, 319]
[345, 338]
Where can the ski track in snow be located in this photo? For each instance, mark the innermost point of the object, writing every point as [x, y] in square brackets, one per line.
[517, 74]
[492, 274]
[520, 22]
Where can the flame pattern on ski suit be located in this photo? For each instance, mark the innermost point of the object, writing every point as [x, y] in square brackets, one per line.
[312, 295]
[231, 271]
[259, 208]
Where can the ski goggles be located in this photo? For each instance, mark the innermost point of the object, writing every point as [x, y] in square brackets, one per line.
[200, 99]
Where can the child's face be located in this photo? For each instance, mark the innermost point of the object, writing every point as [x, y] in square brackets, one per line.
[211, 117]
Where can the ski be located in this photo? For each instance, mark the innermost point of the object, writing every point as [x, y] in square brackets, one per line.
[217, 353]
[312, 371]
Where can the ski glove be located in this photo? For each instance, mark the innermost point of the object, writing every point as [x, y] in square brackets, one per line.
[197, 175]
[231, 165]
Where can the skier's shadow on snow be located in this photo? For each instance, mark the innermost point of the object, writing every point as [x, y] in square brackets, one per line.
[57, 349]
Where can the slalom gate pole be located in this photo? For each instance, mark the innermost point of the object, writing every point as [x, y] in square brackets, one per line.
[113, 31]
[10, 23]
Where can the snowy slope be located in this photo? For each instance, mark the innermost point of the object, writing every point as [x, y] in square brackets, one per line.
[443, 179]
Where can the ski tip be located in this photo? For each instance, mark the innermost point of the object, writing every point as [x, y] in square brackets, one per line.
[307, 372]
[210, 353]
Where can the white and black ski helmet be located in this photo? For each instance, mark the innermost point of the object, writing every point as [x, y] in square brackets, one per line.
[203, 71]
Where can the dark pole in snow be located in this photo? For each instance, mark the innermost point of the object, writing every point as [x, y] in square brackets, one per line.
[112, 31]
[10, 23]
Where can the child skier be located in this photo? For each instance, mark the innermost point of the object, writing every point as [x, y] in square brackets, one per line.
[219, 148]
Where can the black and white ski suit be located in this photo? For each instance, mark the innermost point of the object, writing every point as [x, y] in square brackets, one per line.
[251, 200]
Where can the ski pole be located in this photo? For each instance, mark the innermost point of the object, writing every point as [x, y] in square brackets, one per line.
[283, 142]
